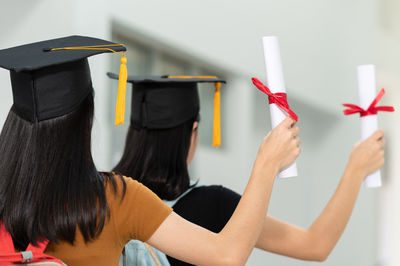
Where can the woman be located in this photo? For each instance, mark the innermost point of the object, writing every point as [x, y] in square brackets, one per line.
[51, 190]
[158, 155]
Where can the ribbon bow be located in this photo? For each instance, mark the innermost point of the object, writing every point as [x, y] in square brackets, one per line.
[278, 98]
[371, 110]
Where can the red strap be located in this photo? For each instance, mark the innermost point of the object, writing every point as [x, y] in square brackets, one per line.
[371, 110]
[40, 248]
[6, 259]
[8, 254]
[6, 243]
[279, 98]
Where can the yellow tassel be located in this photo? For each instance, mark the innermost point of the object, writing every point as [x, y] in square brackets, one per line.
[123, 77]
[217, 116]
[216, 142]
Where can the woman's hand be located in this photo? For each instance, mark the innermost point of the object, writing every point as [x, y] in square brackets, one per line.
[368, 156]
[281, 146]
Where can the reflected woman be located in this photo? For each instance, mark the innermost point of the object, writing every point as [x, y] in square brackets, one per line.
[161, 143]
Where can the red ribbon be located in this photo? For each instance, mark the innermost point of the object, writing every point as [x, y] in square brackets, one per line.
[371, 110]
[278, 98]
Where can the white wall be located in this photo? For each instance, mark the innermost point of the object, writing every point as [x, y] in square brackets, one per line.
[34, 23]
[321, 44]
[389, 78]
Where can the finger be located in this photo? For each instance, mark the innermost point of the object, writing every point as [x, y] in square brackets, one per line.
[298, 142]
[382, 142]
[295, 131]
[297, 152]
[378, 134]
[288, 122]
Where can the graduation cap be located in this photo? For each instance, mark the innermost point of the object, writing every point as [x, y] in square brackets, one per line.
[160, 102]
[51, 78]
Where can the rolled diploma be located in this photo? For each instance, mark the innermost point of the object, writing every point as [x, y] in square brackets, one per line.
[276, 83]
[369, 124]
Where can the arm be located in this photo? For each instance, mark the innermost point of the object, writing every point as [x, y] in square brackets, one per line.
[232, 246]
[317, 242]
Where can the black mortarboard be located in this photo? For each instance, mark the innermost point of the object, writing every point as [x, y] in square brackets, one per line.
[160, 102]
[51, 78]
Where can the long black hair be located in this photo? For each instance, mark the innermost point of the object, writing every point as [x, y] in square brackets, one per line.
[158, 158]
[49, 184]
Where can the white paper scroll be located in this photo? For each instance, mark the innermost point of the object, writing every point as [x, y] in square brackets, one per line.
[276, 83]
[369, 124]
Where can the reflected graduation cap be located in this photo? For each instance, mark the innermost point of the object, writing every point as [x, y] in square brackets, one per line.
[160, 102]
[51, 78]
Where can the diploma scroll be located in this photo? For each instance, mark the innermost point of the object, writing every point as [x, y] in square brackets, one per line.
[276, 84]
[369, 123]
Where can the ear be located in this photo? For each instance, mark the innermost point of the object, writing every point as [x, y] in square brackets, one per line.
[195, 126]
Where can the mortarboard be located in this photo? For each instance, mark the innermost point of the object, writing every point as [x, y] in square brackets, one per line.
[51, 78]
[160, 102]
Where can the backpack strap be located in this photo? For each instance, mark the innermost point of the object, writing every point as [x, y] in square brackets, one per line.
[6, 243]
[26, 256]
[32, 253]
[152, 254]
[41, 247]
[171, 203]
[124, 259]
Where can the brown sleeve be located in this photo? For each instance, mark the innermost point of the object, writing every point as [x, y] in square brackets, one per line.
[140, 212]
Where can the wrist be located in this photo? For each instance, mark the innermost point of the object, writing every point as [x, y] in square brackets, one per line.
[269, 167]
[355, 172]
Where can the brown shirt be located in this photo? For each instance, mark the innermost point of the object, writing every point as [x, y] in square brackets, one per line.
[137, 216]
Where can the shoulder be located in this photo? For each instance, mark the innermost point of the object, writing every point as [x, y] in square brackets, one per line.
[119, 187]
[208, 206]
[210, 193]
[136, 211]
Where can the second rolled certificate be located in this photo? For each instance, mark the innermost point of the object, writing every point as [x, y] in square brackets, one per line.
[276, 83]
[369, 124]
